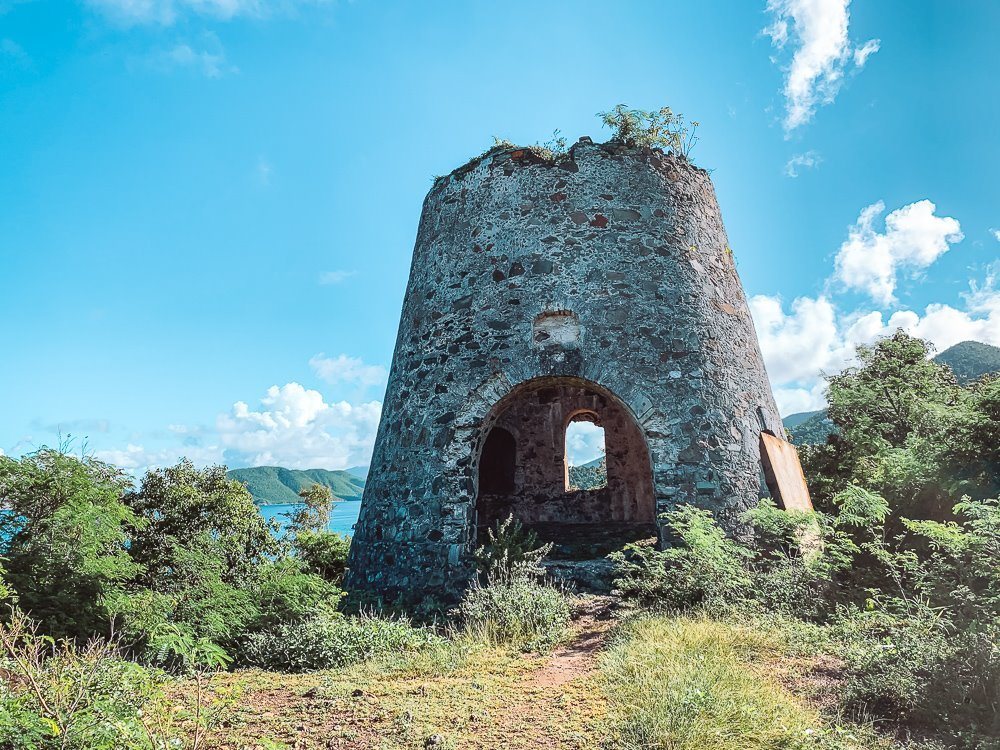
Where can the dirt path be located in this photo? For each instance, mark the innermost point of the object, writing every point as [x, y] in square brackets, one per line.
[500, 700]
[560, 705]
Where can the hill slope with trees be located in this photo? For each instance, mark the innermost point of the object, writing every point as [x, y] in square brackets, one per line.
[968, 360]
[272, 485]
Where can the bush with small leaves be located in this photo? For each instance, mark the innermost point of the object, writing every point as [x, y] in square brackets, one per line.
[323, 553]
[510, 553]
[65, 696]
[332, 640]
[704, 568]
[517, 612]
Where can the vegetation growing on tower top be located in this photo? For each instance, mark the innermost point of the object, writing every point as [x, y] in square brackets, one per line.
[660, 129]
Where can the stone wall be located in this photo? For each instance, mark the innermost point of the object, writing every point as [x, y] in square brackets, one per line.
[608, 268]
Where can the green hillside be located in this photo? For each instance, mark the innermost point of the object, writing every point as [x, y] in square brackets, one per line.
[813, 429]
[272, 485]
[589, 476]
[970, 360]
[794, 420]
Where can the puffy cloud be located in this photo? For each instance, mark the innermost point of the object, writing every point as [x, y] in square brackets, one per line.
[813, 338]
[166, 12]
[818, 31]
[808, 160]
[136, 458]
[584, 442]
[295, 427]
[334, 277]
[996, 234]
[913, 239]
[350, 370]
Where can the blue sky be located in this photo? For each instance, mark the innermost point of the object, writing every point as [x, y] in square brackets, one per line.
[207, 207]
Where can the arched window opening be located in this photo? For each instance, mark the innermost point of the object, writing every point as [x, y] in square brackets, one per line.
[496, 468]
[585, 454]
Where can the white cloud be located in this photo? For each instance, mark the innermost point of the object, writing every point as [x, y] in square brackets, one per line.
[996, 234]
[344, 369]
[296, 428]
[861, 54]
[210, 63]
[808, 160]
[166, 12]
[584, 442]
[814, 338]
[334, 277]
[137, 459]
[818, 31]
[913, 239]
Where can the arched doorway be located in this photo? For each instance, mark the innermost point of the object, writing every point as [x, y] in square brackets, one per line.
[540, 494]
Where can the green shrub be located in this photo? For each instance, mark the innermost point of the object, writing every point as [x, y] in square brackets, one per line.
[331, 640]
[660, 129]
[704, 568]
[286, 593]
[905, 662]
[323, 553]
[58, 695]
[510, 553]
[517, 612]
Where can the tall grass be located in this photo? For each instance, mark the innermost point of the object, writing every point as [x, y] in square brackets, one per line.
[690, 683]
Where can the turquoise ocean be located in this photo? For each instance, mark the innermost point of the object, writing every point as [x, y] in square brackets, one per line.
[342, 519]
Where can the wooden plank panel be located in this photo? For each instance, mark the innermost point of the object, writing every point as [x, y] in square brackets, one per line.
[783, 473]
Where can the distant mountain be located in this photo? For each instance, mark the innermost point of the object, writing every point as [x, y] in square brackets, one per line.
[589, 476]
[273, 485]
[794, 420]
[359, 472]
[970, 360]
[808, 427]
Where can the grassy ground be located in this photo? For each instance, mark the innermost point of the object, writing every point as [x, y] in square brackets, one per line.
[675, 683]
[685, 683]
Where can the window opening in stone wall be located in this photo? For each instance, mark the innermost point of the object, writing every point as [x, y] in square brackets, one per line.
[585, 457]
[496, 468]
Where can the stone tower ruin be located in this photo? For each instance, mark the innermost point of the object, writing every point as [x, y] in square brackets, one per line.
[598, 285]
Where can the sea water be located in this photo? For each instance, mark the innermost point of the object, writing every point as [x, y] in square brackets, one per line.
[342, 519]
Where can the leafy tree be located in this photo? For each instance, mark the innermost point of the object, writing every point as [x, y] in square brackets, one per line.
[895, 391]
[970, 446]
[201, 549]
[314, 512]
[198, 509]
[896, 416]
[64, 532]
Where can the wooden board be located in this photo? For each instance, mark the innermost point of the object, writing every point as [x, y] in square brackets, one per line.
[783, 473]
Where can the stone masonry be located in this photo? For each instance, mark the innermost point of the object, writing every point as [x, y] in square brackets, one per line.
[597, 285]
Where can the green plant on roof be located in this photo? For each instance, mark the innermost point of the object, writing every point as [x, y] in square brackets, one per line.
[660, 129]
